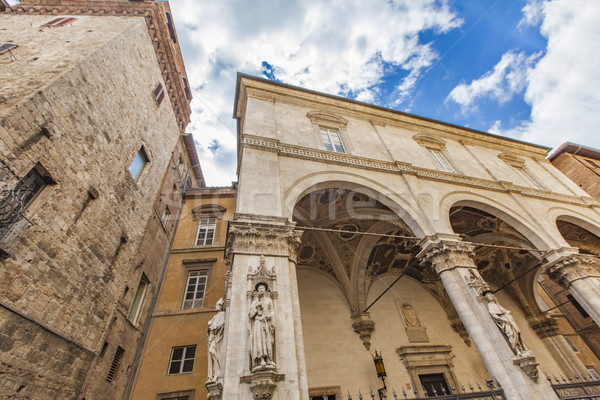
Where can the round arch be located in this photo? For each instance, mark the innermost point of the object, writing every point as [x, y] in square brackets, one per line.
[343, 180]
[563, 214]
[498, 210]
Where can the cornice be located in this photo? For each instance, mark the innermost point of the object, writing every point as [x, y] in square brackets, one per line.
[311, 154]
[268, 91]
[157, 29]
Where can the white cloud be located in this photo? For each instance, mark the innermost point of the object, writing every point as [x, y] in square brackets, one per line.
[344, 47]
[502, 83]
[563, 86]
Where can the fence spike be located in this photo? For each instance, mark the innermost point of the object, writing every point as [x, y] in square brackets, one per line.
[372, 394]
[563, 378]
[349, 397]
[471, 387]
[577, 378]
[444, 390]
[453, 389]
[463, 388]
[570, 378]
[324, 395]
[394, 393]
[433, 390]
[478, 386]
[360, 395]
[425, 391]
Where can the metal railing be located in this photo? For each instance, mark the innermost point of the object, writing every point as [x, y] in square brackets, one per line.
[576, 388]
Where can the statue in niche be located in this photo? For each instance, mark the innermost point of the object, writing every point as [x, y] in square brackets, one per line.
[504, 320]
[262, 330]
[214, 341]
[410, 316]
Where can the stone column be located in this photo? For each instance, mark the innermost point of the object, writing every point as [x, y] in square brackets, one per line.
[578, 274]
[262, 250]
[517, 374]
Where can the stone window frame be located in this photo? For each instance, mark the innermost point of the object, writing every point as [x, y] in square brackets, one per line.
[177, 395]
[324, 390]
[199, 264]
[436, 150]
[184, 358]
[144, 156]
[137, 303]
[517, 164]
[428, 359]
[208, 211]
[323, 120]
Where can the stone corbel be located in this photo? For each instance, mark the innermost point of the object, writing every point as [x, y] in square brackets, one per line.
[528, 364]
[263, 383]
[215, 390]
[545, 327]
[364, 326]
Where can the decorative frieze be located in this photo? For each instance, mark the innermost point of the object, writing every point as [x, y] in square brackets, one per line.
[313, 154]
[261, 240]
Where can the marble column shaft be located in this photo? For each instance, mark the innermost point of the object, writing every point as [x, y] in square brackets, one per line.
[452, 260]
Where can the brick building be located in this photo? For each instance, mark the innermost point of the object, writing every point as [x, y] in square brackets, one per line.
[93, 106]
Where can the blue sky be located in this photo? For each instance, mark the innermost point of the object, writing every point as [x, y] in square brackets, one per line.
[526, 69]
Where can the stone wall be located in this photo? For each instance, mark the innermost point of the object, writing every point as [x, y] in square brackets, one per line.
[79, 101]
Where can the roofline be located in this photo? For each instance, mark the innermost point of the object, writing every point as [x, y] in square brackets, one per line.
[241, 76]
[565, 147]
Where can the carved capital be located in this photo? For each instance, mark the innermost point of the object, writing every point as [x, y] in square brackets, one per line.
[568, 269]
[364, 326]
[528, 364]
[445, 255]
[263, 383]
[263, 240]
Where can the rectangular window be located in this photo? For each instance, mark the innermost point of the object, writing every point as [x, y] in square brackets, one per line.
[138, 164]
[159, 93]
[5, 47]
[592, 163]
[332, 140]
[138, 300]
[194, 290]
[206, 231]
[114, 366]
[434, 385]
[186, 87]
[171, 27]
[440, 160]
[165, 216]
[60, 21]
[182, 360]
[571, 344]
[525, 176]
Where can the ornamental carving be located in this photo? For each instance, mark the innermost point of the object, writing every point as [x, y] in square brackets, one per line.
[270, 241]
[448, 255]
[306, 153]
[263, 383]
[364, 327]
[572, 268]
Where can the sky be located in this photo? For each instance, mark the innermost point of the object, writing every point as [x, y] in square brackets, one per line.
[525, 69]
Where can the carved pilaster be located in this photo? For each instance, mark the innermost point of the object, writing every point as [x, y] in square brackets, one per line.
[262, 240]
[570, 268]
[545, 328]
[364, 326]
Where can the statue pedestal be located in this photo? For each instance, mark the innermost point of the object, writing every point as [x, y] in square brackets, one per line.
[527, 363]
[263, 382]
[215, 390]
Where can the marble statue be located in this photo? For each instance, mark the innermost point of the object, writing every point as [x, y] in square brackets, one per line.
[504, 320]
[214, 341]
[262, 331]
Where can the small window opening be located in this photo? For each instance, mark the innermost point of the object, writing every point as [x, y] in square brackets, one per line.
[138, 300]
[6, 47]
[138, 164]
[331, 140]
[104, 347]
[194, 290]
[60, 22]
[182, 360]
[206, 231]
[186, 87]
[440, 160]
[171, 27]
[159, 93]
[114, 366]
[434, 383]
